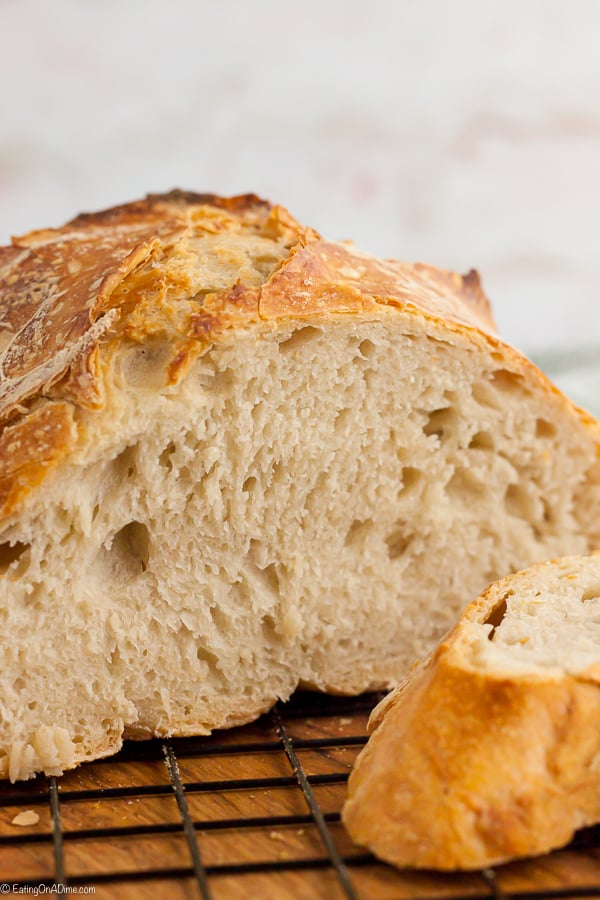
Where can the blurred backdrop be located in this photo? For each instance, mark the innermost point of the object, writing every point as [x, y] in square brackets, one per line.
[462, 134]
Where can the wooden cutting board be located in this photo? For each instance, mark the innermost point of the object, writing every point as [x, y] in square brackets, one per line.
[253, 812]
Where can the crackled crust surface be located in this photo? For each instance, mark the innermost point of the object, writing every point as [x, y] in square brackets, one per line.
[191, 267]
[58, 285]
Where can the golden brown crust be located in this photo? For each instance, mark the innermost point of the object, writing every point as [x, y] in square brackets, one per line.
[30, 447]
[162, 266]
[466, 768]
[50, 300]
[56, 284]
[323, 277]
[158, 204]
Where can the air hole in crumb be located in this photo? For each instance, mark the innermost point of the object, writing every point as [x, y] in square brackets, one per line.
[271, 578]
[300, 338]
[144, 368]
[496, 616]
[591, 593]
[440, 423]
[269, 628]
[258, 414]
[184, 478]
[190, 440]
[77, 739]
[411, 478]
[343, 417]
[366, 349]
[249, 485]
[255, 551]
[165, 459]
[485, 395]
[358, 531]
[279, 474]
[504, 380]
[129, 551]
[481, 440]
[209, 381]
[544, 429]
[260, 568]
[518, 502]
[397, 542]
[548, 511]
[204, 655]
[124, 464]
[11, 553]
[220, 619]
[463, 486]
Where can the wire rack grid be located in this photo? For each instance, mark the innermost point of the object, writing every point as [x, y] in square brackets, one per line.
[253, 812]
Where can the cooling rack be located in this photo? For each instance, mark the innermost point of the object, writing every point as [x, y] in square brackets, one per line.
[253, 812]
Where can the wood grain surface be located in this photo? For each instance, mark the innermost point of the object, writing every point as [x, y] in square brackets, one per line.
[120, 827]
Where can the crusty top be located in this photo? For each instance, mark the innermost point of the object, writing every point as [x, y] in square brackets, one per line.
[188, 266]
[63, 289]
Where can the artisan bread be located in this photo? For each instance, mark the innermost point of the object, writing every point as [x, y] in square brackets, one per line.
[236, 457]
[491, 750]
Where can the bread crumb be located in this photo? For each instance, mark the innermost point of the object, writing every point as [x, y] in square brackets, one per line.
[276, 836]
[27, 817]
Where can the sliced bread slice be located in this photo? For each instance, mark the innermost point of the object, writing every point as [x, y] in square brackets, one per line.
[490, 750]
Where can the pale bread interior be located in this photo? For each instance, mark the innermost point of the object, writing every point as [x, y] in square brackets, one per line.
[549, 621]
[309, 505]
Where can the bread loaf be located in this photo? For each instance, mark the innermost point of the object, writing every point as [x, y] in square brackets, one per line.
[491, 750]
[236, 457]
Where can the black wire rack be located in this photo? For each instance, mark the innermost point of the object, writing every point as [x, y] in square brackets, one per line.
[253, 812]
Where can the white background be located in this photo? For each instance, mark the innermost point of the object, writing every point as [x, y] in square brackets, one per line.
[462, 133]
